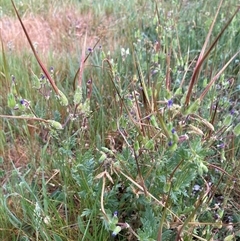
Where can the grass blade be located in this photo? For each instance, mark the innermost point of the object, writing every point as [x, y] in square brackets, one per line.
[44, 69]
[216, 77]
[203, 55]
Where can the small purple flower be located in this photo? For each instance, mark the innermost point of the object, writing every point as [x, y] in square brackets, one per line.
[173, 130]
[221, 146]
[25, 103]
[154, 72]
[130, 96]
[232, 112]
[51, 69]
[170, 103]
[42, 77]
[115, 214]
[13, 78]
[90, 50]
[170, 143]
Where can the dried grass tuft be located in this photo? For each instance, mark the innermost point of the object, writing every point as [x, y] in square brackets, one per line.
[61, 31]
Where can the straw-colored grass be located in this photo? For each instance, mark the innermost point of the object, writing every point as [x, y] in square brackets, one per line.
[57, 31]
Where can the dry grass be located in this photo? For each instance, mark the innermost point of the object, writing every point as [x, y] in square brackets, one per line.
[56, 31]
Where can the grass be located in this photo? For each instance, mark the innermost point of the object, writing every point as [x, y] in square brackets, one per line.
[121, 122]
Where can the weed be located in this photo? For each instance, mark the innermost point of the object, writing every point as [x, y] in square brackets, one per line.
[139, 141]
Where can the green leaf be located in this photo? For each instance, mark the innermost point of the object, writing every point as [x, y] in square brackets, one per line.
[56, 237]
[229, 237]
[136, 146]
[178, 91]
[11, 216]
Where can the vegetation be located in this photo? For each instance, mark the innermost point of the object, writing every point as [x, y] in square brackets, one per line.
[119, 120]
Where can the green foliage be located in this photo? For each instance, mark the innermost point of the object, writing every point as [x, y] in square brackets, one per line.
[144, 142]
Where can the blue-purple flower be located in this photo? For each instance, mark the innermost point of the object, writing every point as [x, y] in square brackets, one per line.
[170, 143]
[115, 214]
[24, 103]
[232, 112]
[221, 146]
[13, 78]
[170, 103]
[42, 77]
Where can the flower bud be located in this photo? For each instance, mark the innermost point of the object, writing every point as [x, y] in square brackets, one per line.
[102, 157]
[167, 187]
[56, 125]
[77, 99]
[153, 121]
[63, 99]
[36, 82]
[193, 107]
[227, 121]
[236, 129]
[116, 231]
[149, 145]
[11, 101]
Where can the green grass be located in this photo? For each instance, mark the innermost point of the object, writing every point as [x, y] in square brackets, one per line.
[136, 129]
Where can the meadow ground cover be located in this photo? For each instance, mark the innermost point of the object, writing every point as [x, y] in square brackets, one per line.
[119, 120]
